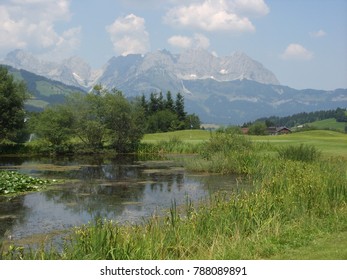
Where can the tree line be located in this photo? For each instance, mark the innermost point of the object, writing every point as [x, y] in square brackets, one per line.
[98, 119]
[301, 118]
[164, 114]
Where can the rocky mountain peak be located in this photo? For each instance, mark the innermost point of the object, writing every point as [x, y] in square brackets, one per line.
[192, 64]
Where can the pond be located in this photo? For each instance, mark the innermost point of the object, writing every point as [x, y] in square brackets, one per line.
[124, 189]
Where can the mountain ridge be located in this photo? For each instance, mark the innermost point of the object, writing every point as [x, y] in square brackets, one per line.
[188, 65]
[226, 90]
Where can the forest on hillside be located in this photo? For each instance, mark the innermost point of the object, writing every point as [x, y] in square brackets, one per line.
[303, 118]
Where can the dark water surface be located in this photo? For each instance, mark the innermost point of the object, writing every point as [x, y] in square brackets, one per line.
[121, 189]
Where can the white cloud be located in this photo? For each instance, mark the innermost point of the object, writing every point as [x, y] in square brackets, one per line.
[318, 34]
[250, 8]
[296, 52]
[198, 41]
[128, 35]
[180, 41]
[30, 24]
[217, 15]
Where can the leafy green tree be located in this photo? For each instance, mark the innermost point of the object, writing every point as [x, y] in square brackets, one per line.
[12, 114]
[258, 128]
[98, 90]
[125, 122]
[53, 124]
[192, 122]
[88, 119]
[162, 121]
[95, 119]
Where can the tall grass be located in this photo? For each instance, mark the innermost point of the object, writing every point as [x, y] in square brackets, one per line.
[174, 145]
[225, 153]
[293, 203]
[307, 153]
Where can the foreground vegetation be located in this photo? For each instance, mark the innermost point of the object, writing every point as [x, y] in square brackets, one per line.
[297, 202]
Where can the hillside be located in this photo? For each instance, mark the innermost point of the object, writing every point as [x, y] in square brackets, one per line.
[322, 119]
[330, 124]
[43, 91]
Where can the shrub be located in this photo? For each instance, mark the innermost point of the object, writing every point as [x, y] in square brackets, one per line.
[224, 143]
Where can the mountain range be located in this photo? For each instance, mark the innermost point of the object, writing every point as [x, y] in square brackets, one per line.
[225, 90]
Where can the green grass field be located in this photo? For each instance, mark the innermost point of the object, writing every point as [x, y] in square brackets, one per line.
[331, 143]
[328, 124]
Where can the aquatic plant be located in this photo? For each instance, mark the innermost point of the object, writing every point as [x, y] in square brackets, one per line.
[14, 182]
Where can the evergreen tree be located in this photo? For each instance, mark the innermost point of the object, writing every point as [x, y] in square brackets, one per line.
[169, 104]
[161, 102]
[179, 107]
[153, 104]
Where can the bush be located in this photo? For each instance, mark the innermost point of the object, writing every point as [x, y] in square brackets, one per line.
[224, 143]
[306, 153]
[225, 153]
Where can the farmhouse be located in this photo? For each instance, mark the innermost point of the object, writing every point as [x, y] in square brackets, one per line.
[278, 130]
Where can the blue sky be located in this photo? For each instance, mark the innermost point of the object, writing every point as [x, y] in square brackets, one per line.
[304, 42]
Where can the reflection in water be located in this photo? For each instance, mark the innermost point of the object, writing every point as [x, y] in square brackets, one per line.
[119, 189]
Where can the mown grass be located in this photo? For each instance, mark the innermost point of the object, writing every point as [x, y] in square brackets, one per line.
[331, 143]
[295, 203]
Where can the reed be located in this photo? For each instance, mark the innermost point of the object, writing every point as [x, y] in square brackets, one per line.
[307, 153]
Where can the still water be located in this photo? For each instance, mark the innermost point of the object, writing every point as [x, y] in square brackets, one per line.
[124, 189]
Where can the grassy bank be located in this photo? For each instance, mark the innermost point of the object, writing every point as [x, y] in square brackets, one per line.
[297, 205]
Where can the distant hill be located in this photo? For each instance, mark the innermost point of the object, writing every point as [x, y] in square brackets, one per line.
[43, 91]
[330, 124]
[324, 119]
[236, 102]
